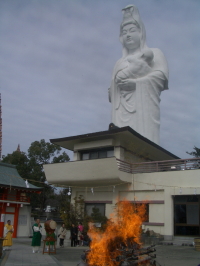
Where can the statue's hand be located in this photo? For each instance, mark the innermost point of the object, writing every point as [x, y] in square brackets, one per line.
[127, 84]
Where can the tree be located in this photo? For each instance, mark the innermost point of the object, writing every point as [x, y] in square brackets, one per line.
[40, 153]
[73, 212]
[97, 217]
[195, 153]
[63, 198]
[21, 161]
[30, 166]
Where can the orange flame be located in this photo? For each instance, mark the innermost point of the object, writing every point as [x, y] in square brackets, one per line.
[124, 227]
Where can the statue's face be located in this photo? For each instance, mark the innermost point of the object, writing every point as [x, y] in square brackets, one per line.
[131, 36]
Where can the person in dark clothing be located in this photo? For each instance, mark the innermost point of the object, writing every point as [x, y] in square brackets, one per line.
[86, 240]
[74, 235]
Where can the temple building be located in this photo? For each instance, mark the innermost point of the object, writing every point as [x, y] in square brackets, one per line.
[126, 161]
[120, 164]
[14, 201]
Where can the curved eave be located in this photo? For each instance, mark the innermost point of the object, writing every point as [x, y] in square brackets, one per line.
[30, 189]
[88, 173]
[155, 151]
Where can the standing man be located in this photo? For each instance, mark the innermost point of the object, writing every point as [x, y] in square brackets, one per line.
[37, 235]
[74, 235]
[8, 231]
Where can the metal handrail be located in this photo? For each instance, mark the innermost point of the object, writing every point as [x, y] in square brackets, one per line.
[159, 166]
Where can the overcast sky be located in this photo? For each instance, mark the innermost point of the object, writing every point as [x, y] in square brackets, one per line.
[57, 58]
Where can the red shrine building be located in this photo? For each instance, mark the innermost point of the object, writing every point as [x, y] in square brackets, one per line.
[14, 200]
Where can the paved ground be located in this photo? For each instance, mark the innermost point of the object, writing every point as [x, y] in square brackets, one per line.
[21, 255]
[177, 256]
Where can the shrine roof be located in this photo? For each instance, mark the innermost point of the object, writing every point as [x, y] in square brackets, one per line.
[9, 177]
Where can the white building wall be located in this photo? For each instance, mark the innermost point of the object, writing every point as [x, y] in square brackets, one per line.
[157, 189]
[24, 221]
[109, 209]
[168, 214]
[156, 213]
[170, 183]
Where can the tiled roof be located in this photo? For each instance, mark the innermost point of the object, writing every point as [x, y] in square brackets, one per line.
[9, 176]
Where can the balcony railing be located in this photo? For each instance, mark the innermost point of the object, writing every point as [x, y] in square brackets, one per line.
[159, 166]
[20, 198]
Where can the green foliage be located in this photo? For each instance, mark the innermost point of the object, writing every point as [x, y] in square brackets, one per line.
[61, 158]
[195, 153]
[30, 166]
[21, 161]
[63, 198]
[75, 213]
[96, 217]
[40, 153]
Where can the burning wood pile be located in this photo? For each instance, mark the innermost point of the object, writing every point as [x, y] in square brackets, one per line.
[131, 256]
[119, 244]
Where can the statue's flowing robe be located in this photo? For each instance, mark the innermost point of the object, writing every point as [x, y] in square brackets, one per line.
[139, 107]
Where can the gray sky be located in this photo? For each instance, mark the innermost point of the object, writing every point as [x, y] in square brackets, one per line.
[57, 59]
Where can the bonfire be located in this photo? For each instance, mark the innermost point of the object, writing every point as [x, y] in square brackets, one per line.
[119, 244]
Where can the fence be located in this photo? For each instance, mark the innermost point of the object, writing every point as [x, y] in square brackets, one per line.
[159, 166]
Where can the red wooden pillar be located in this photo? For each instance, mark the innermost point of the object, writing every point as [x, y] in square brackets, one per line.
[15, 224]
[3, 211]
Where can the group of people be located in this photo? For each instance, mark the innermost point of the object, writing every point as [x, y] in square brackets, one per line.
[37, 236]
[77, 235]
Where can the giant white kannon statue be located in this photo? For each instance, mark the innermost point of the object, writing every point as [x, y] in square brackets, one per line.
[138, 79]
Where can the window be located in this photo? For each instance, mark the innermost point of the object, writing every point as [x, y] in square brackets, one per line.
[137, 205]
[22, 220]
[94, 155]
[110, 153]
[103, 154]
[180, 213]
[186, 215]
[97, 154]
[85, 156]
[89, 208]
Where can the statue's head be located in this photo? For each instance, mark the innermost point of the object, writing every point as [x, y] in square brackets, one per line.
[133, 24]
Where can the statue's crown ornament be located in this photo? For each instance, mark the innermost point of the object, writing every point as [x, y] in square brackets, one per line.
[127, 12]
[130, 15]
